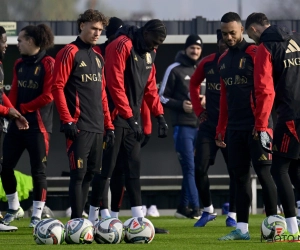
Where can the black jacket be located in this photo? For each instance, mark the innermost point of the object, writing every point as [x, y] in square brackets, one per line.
[207, 69]
[277, 70]
[174, 90]
[130, 74]
[79, 87]
[31, 90]
[237, 87]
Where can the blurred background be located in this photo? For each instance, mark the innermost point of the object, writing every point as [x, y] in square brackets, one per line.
[62, 10]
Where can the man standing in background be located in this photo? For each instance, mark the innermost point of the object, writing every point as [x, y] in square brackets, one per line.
[175, 95]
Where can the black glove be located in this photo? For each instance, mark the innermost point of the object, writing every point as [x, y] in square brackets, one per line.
[70, 129]
[265, 141]
[162, 126]
[109, 139]
[138, 132]
[145, 141]
[203, 116]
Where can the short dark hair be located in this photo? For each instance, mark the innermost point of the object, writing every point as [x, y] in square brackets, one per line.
[41, 35]
[156, 26]
[2, 30]
[231, 17]
[91, 15]
[258, 18]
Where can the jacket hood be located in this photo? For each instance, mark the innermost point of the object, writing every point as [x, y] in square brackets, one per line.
[127, 30]
[183, 59]
[276, 33]
[136, 35]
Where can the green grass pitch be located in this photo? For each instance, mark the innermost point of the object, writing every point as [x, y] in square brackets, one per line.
[182, 236]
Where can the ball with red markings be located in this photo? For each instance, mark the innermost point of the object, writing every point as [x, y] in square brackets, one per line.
[49, 232]
[79, 231]
[138, 230]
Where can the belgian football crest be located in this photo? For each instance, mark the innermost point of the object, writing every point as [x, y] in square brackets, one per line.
[148, 58]
[98, 62]
[80, 163]
[242, 63]
[37, 70]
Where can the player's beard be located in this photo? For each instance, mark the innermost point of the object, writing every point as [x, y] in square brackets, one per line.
[236, 44]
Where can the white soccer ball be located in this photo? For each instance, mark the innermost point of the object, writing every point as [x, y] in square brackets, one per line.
[138, 230]
[49, 232]
[272, 226]
[79, 231]
[109, 231]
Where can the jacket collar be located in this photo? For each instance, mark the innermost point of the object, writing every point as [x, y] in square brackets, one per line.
[240, 46]
[81, 44]
[35, 58]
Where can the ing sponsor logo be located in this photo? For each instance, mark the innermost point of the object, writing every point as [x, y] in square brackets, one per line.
[28, 84]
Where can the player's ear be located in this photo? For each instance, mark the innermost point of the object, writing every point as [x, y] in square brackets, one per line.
[242, 29]
[82, 26]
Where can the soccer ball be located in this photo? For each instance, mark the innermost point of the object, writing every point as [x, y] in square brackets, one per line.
[79, 231]
[49, 232]
[272, 226]
[109, 231]
[138, 230]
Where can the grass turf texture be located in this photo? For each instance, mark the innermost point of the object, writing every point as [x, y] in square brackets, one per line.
[182, 236]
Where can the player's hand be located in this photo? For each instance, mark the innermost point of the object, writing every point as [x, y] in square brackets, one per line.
[203, 101]
[187, 106]
[265, 141]
[220, 142]
[146, 140]
[109, 139]
[254, 133]
[13, 113]
[162, 126]
[134, 125]
[22, 123]
[70, 129]
[203, 116]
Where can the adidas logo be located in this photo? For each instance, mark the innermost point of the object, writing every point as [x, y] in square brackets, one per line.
[135, 58]
[274, 148]
[44, 159]
[211, 72]
[292, 47]
[135, 224]
[82, 64]
[187, 77]
[89, 236]
[222, 66]
[278, 230]
[262, 158]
